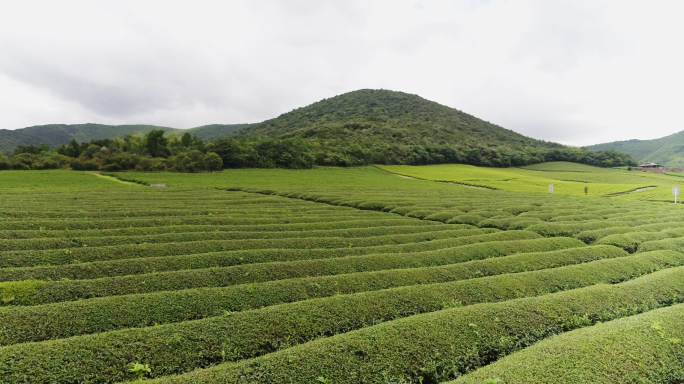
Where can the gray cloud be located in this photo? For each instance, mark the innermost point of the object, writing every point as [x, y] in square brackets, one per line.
[551, 70]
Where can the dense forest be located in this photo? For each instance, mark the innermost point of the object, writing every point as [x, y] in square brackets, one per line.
[667, 151]
[154, 151]
[58, 134]
[357, 128]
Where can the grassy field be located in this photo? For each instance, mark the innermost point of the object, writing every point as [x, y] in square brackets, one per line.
[567, 179]
[337, 275]
[55, 179]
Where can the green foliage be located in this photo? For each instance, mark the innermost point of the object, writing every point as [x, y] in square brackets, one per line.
[641, 348]
[291, 275]
[59, 134]
[357, 128]
[68, 290]
[213, 162]
[442, 345]
[182, 347]
[664, 150]
[139, 370]
[25, 323]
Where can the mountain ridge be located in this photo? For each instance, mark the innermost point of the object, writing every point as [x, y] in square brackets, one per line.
[58, 134]
[366, 126]
[667, 150]
[396, 116]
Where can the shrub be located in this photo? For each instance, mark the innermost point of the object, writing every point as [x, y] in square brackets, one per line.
[438, 346]
[178, 237]
[443, 216]
[256, 256]
[570, 229]
[445, 339]
[81, 317]
[604, 353]
[130, 251]
[371, 205]
[630, 241]
[56, 291]
[465, 219]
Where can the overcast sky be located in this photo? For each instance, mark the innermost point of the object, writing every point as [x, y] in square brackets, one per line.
[576, 72]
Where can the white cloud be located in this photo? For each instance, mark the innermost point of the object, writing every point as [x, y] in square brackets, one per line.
[578, 72]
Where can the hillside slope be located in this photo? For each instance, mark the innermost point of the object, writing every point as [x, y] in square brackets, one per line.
[56, 134]
[668, 150]
[212, 131]
[390, 117]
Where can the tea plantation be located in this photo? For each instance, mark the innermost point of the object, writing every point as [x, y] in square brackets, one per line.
[337, 275]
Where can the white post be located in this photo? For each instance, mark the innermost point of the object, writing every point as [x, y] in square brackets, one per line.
[551, 188]
[675, 192]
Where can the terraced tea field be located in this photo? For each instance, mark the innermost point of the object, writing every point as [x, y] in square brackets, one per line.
[567, 179]
[332, 276]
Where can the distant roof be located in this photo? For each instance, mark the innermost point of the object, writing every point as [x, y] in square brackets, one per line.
[648, 164]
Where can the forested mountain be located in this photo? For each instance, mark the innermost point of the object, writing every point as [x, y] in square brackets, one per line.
[57, 134]
[356, 128]
[212, 131]
[668, 150]
[390, 117]
[387, 127]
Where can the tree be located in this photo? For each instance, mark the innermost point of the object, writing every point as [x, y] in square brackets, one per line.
[186, 139]
[156, 144]
[213, 162]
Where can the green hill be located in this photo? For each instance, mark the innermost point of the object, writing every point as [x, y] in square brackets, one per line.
[212, 131]
[391, 117]
[668, 150]
[356, 128]
[56, 134]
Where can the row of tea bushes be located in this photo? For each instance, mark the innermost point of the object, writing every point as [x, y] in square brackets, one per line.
[130, 251]
[103, 241]
[37, 323]
[182, 347]
[439, 346]
[154, 264]
[137, 231]
[34, 292]
[641, 348]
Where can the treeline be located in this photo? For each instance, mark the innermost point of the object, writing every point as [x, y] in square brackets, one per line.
[140, 152]
[154, 151]
[305, 153]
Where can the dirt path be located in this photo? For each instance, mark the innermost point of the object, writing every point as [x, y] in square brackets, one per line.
[114, 179]
[642, 189]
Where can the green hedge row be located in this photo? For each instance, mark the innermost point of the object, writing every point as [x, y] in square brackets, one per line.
[182, 347]
[37, 323]
[83, 224]
[630, 241]
[575, 217]
[569, 229]
[592, 236]
[34, 292]
[330, 225]
[104, 241]
[470, 219]
[644, 348]
[507, 223]
[114, 214]
[225, 259]
[548, 214]
[439, 346]
[675, 244]
[131, 251]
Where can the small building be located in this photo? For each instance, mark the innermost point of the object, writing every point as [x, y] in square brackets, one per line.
[655, 168]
